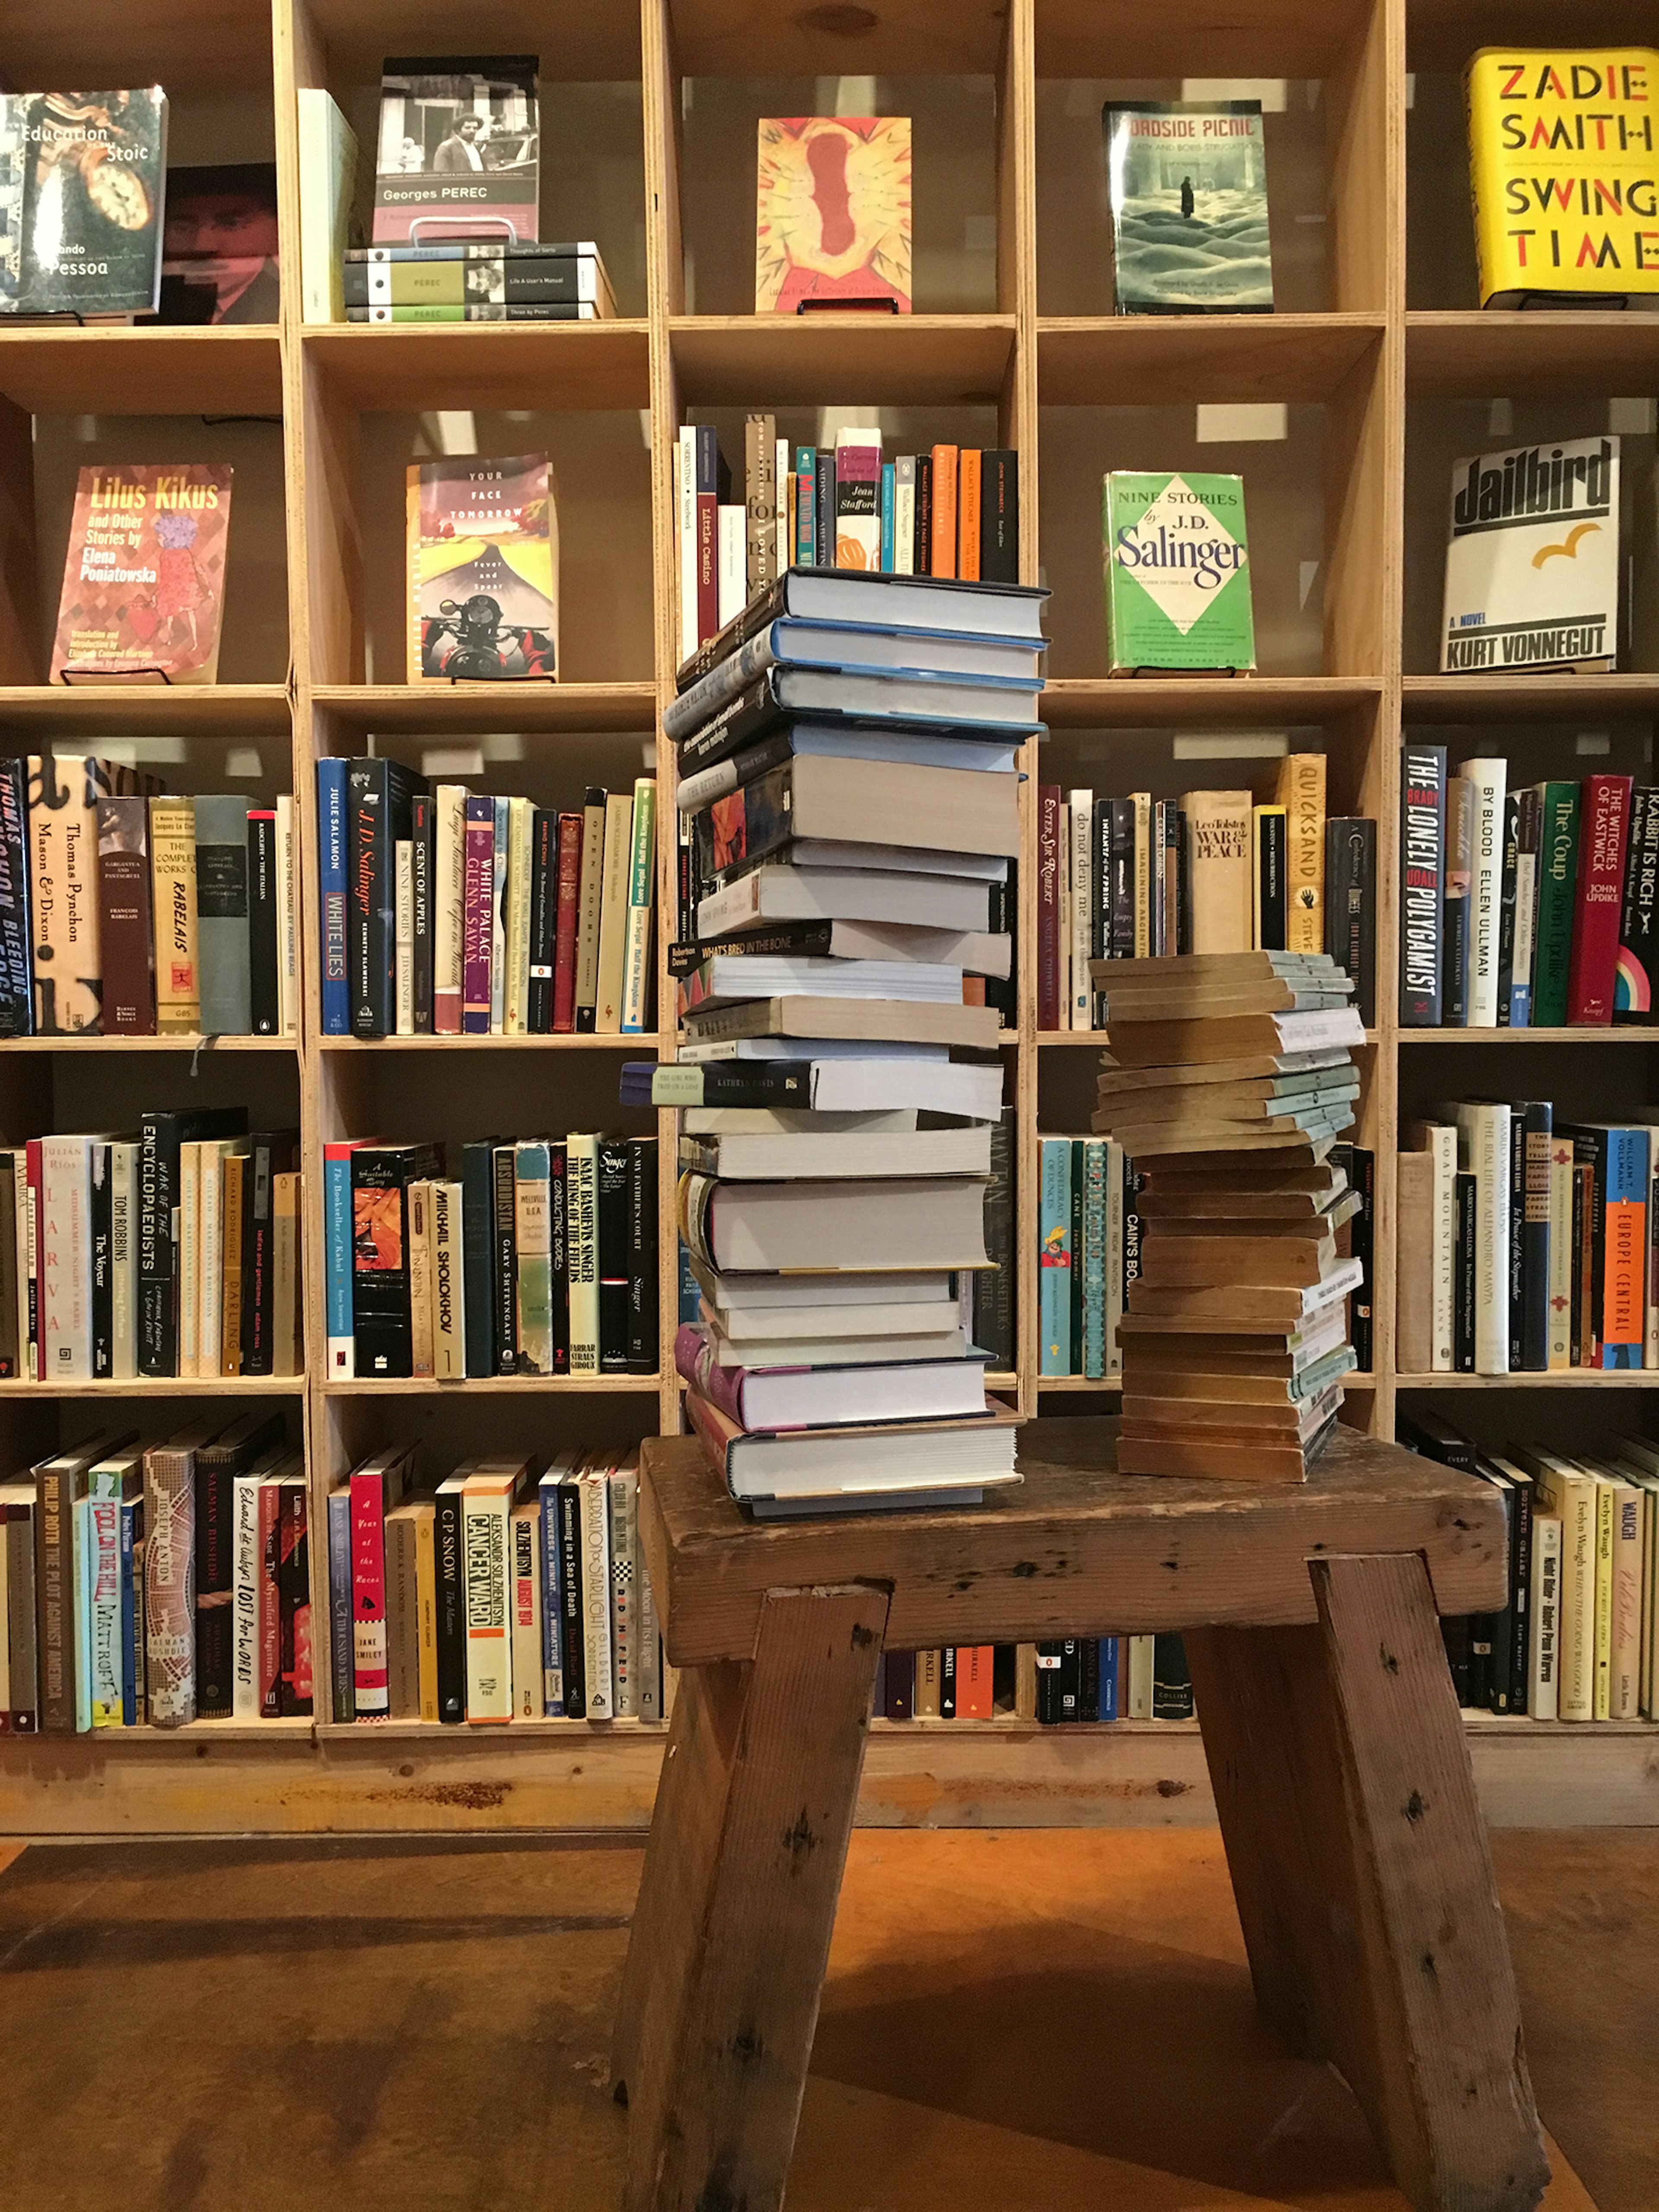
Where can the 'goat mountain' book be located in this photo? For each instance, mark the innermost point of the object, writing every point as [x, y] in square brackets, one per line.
[1177, 572]
[483, 566]
[1189, 188]
[144, 575]
[1531, 562]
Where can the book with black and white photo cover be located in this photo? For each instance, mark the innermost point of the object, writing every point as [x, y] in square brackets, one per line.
[483, 568]
[82, 181]
[458, 155]
[1532, 560]
[1187, 182]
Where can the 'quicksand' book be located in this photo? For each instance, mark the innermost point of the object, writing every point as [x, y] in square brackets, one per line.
[1177, 572]
[1189, 188]
[1531, 562]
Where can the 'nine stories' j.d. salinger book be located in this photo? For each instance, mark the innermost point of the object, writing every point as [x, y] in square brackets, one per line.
[483, 568]
[1177, 572]
[144, 575]
[1531, 562]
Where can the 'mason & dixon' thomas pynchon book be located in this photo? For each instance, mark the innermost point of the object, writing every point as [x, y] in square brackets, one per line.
[1532, 561]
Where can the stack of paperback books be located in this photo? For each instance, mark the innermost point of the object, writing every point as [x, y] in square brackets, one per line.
[1229, 1080]
[477, 280]
[835, 1157]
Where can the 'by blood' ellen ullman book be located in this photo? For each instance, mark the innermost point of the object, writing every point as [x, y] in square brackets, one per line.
[144, 575]
[1177, 572]
[483, 568]
[1532, 564]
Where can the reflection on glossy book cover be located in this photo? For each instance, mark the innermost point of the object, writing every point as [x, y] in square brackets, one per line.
[459, 150]
[484, 567]
[144, 575]
[1189, 187]
[832, 223]
[82, 184]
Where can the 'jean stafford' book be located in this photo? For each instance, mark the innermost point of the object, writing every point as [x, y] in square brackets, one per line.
[1189, 188]
[1177, 572]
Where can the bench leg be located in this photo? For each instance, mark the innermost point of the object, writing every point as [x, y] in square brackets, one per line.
[1358, 1859]
[732, 1935]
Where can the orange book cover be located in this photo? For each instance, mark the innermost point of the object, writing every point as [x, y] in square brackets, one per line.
[944, 510]
[975, 1663]
[968, 491]
[144, 575]
[832, 219]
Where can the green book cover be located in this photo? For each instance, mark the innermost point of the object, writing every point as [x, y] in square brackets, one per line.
[1055, 1254]
[1557, 883]
[1094, 1258]
[1177, 572]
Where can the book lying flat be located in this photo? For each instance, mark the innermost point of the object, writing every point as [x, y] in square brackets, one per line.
[1151, 1045]
[724, 978]
[1266, 1066]
[776, 893]
[903, 693]
[891, 1460]
[1174, 1384]
[883, 1347]
[877, 1020]
[866, 804]
[1141, 1453]
[1195, 1104]
[1193, 1264]
[756, 1294]
[984, 751]
[805, 1154]
[1148, 1140]
[1205, 1349]
[786, 1397]
[1246, 1305]
[1237, 1420]
[980, 952]
[826, 1227]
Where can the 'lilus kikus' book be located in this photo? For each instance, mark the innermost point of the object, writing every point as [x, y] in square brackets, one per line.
[484, 565]
[144, 575]
[1189, 188]
[1177, 572]
[832, 221]
[1531, 563]
[459, 151]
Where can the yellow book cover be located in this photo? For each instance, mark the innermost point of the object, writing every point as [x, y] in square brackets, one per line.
[1570, 1494]
[1300, 793]
[832, 222]
[1562, 147]
[172, 885]
[483, 568]
[1625, 1633]
[1605, 1494]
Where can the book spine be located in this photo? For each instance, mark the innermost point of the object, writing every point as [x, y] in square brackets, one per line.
[173, 904]
[823, 507]
[499, 854]
[636, 944]
[448, 1292]
[1350, 906]
[263, 929]
[532, 1229]
[479, 896]
[922, 550]
[1517, 1244]
[371, 1691]
[1599, 900]
[478, 1243]
[1486, 778]
[420, 1278]
[1535, 1318]
[581, 1215]
[621, 1494]
[486, 1564]
[888, 496]
[552, 1602]
[294, 1686]
[1490, 1150]
[1544, 1627]
[1081, 804]
[337, 1261]
[287, 919]
[451, 1580]
[944, 518]
[706, 579]
[169, 1587]
[1054, 1254]
[1048, 902]
[1506, 912]
[554, 922]
[132, 1612]
[449, 906]
[1622, 1332]
[590, 900]
[54, 1583]
[600, 1681]
[422, 842]
[124, 916]
[333, 872]
[63, 797]
[999, 524]
[16, 937]
[402, 950]
[1525, 909]
[1301, 789]
[1556, 883]
[101, 1286]
[760, 441]
[1422, 873]
[505, 1255]
[516, 895]
[245, 1597]
[558, 1234]
[371, 919]
[342, 1669]
[573, 1609]
[641, 1257]
[525, 1590]
[1638, 969]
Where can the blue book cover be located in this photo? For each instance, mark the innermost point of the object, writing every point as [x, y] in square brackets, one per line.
[1624, 1315]
[887, 518]
[690, 1289]
[133, 1513]
[331, 895]
[547, 1494]
[1108, 1678]
[339, 1604]
[806, 463]
[1054, 1255]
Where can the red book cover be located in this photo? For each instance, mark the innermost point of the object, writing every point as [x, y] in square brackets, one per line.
[270, 1602]
[708, 589]
[144, 575]
[478, 897]
[294, 1589]
[368, 1646]
[1604, 825]
[564, 933]
[975, 1663]
[1048, 796]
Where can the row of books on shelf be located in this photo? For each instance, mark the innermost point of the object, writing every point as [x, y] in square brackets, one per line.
[1090, 1250]
[540, 1258]
[1535, 907]
[446, 912]
[1527, 1243]
[1579, 1636]
[508, 1591]
[125, 913]
[175, 1253]
[952, 511]
[1142, 877]
[1104, 1678]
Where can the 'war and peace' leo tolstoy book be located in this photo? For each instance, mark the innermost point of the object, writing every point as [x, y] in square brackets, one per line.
[483, 568]
[1189, 188]
[832, 225]
[144, 575]
[1177, 572]
[1531, 563]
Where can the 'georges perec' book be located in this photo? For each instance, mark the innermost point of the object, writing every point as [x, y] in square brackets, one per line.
[144, 575]
[1189, 188]
[484, 567]
[1532, 564]
[1177, 572]
[832, 219]
[83, 177]
[458, 154]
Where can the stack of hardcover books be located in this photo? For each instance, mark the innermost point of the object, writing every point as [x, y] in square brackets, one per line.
[1229, 1079]
[838, 867]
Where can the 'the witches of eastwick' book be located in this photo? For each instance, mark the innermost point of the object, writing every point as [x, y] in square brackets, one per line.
[144, 575]
[483, 568]
[832, 225]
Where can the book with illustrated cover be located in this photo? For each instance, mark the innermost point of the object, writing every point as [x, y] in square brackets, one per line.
[144, 575]
[832, 222]
[1189, 187]
[1532, 560]
[219, 244]
[1177, 572]
[458, 155]
[483, 568]
[82, 180]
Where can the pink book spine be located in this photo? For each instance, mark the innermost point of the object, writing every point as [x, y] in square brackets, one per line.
[369, 1649]
[476, 918]
[37, 1283]
[1604, 823]
[270, 1609]
[693, 1357]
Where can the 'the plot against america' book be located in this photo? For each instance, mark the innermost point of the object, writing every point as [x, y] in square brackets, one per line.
[483, 568]
[1532, 564]
[1189, 187]
[81, 179]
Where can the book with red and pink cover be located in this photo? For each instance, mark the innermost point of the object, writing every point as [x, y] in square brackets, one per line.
[144, 576]
[483, 568]
[832, 226]
[1604, 826]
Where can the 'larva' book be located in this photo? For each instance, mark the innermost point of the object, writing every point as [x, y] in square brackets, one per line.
[1177, 572]
[1532, 561]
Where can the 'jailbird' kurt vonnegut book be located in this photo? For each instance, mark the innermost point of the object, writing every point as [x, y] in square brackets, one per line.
[483, 568]
[1177, 572]
[1531, 563]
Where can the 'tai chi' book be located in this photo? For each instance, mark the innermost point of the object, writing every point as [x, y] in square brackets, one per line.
[1562, 147]
[832, 224]
[484, 567]
[1177, 572]
[1189, 188]
[1531, 563]
[144, 575]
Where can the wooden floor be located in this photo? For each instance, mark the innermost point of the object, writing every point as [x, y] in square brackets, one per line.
[1016, 2022]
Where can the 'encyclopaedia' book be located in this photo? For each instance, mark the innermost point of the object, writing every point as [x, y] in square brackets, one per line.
[458, 149]
[83, 177]
[483, 568]
[1531, 562]
[144, 575]
[1177, 572]
[1189, 187]
[832, 217]
[1561, 168]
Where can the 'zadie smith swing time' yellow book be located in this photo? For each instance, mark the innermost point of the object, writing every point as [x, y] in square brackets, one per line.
[1563, 148]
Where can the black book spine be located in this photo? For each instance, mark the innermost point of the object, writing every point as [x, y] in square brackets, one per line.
[1123, 880]
[1422, 885]
[612, 1240]
[999, 516]
[370, 943]
[1272, 892]
[1455, 1635]
[505, 1249]
[1538, 1117]
[1463, 1288]
[823, 507]
[380, 1270]
[1002, 991]
[1088, 1684]
[1350, 904]
[269, 1155]
[1519, 1594]
[1048, 1684]
[422, 835]
[1100, 920]
[1478, 1694]
[559, 1248]
[922, 559]
[899, 1675]
[1506, 907]
[158, 1191]
[947, 1682]
[451, 1609]
[262, 921]
[1362, 1244]
[543, 918]
[1517, 1236]
[1172, 1681]
[642, 1255]
[570, 1600]
[477, 1256]
[16, 992]
[993, 1286]
[1181, 861]
[103, 1281]
[1071, 1676]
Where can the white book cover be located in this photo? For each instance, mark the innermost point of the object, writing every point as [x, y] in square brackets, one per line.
[1439, 1140]
[731, 553]
[1544, 1632]
[328, 187]
[1066, 862]
[189, 1259]
[66, 1249]
[210, 1254]
[1486, 890]
[622, 1485]
[596, 1595]
[904, 515]
[582, 1249]
[527, 1612]
[288, 924]
[486, 1551]
[1526, 917]
[1483, 1150]
[785, 552]
[1082, 809]
[244, 1578]
[687, 532]
[402, 936]
[448, 905]
[1532, 564]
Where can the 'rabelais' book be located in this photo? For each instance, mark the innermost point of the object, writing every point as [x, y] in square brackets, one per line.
[1189, 187]
[1532, 564]
[458, 149]
[1177, 572]
[483, 568]
[144, 575]
[83, 177]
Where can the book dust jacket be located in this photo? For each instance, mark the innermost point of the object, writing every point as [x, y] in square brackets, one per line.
[832, 223]
[1177, 572]
[1188, 189]
[484, 565]
[144, 575]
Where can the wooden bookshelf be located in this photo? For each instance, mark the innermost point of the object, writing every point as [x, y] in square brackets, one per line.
[1381, 363]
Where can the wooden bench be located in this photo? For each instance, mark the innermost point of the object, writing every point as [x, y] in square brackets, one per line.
[1334, 1742]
